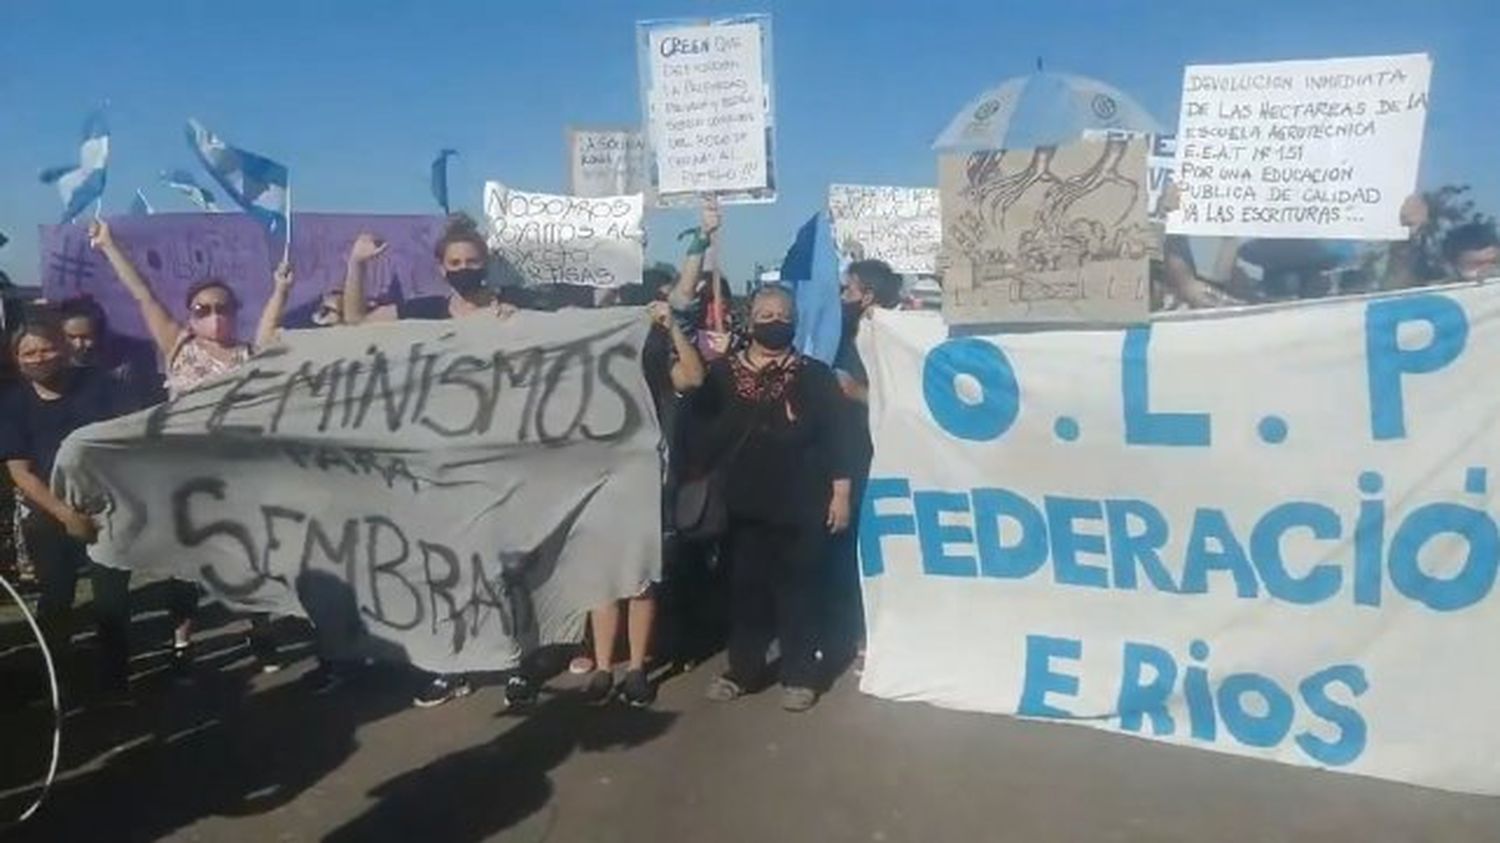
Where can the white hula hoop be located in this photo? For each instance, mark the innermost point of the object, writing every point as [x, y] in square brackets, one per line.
[56, 704]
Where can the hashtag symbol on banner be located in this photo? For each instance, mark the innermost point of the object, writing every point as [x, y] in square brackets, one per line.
[71, 269]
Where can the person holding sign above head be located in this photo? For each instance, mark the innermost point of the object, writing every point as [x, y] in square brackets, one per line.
[774, 430]
[52, 399]
[202, 349]
[464, 257]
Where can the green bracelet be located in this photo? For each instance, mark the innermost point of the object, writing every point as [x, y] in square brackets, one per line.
[700, 243]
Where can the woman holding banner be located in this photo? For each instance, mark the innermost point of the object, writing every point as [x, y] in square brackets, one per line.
[203, 348]
[464, 258]
[50, 401]
[774, 429]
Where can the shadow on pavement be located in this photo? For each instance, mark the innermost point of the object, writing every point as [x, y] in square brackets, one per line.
[185, 749]
[472, 794]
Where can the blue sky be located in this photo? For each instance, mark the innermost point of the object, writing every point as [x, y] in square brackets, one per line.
[355, 96]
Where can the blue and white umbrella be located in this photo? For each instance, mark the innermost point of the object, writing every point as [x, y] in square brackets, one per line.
[1043, 109]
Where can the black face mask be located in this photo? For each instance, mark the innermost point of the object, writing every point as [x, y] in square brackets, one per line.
[50, 375]
[773, 336]
[465, 281]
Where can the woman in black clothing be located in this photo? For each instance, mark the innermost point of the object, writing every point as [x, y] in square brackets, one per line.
[774, 430]
[50, 401]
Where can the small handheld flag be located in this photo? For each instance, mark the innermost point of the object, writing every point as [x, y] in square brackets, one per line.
[83, 184]
[183, 182]
[440, 178]
[256, 183]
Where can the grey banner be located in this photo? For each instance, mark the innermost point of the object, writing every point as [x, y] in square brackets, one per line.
[445, 493]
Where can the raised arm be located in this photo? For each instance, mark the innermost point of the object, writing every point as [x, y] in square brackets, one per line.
[270, 316]
[164, 329]
[705, 237]
[365, 249]
[687, 365]
[1401, 259]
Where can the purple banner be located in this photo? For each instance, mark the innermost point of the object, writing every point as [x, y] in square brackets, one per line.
[175, 251]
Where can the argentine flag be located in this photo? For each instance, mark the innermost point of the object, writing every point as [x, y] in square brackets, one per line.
[83, 184]
[183, 182]
[255, 183]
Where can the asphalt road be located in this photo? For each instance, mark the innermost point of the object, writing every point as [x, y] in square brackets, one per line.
[237, 756]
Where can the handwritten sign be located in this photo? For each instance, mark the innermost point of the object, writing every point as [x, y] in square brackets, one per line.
[1047, 235]
[541, 238]
[606, 162]
[1310, 149]
[899, 225]
[706, 93]
[447, 494]
[176, 251]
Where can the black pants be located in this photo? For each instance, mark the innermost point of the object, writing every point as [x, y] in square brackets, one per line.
[182, 601]
[774, 594]
[692, 600]
[843, 605]
[59, 560]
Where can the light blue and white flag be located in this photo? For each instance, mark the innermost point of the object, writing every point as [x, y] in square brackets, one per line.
[139, 206]
[82, 184]
[184, 182]
[257, 184]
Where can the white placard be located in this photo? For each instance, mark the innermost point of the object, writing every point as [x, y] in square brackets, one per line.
[1303, 149]
[902, 226]
[606, 162]
[542, 238]
[1271, 533]
[706, 93]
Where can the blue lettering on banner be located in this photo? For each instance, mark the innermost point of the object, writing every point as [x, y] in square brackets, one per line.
[1021, 559]
[992, 411]
[1042, 680]
[1386, 362]
[1255, 709]
[936, 536]
[873, 525]
[959, 534]
[1142, 425]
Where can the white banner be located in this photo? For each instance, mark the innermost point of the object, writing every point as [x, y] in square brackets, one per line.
[1313, 149]
[902, 226]
[706, 94]
[546, 239]
[606, 162]
[449, 494]
[1269, 533]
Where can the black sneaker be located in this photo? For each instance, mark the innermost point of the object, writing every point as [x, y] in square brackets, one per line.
[600, 686]
[520, 692]
[267, 654]
[637, 690]
[324, 679]
[442, 689]
[181, 658]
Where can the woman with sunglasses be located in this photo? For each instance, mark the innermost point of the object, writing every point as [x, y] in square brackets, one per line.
[201, 349]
